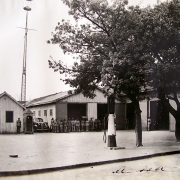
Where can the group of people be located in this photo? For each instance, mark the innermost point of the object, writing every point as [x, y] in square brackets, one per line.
[63, 126]
[58, 126]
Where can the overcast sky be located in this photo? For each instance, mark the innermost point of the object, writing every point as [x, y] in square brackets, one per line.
[40, 80]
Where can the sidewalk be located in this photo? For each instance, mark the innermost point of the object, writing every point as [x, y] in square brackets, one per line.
[42, 152]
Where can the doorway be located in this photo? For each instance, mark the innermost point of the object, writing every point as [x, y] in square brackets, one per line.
[130, 115]
[29, 124]
[101, 111]
[76, 111]
[159, 115]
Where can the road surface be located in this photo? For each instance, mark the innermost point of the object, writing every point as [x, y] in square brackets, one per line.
[157, 168]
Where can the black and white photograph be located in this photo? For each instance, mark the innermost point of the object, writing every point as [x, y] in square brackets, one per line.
[89, 89]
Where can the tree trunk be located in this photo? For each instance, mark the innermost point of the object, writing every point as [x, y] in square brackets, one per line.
[177, 130]
[176, 115]
[138, 128]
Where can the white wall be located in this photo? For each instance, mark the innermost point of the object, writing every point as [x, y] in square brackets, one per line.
[42, 108]
[143, 106]
[92, 110]
[7, 104]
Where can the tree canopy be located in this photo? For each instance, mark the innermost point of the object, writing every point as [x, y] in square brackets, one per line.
[117, 45]
[127, 48]
[166, 47]
[165, 40]
[107, 46]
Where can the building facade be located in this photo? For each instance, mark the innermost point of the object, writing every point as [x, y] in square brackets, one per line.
[73, 106]
[10, 111]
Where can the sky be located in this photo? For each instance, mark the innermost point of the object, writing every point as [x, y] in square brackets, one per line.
[43, 17]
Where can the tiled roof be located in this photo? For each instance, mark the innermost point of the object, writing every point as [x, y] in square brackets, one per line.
[48, 99]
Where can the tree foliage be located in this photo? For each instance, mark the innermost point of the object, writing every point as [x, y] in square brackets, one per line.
[123, 47]
[164, 46]
[107, 46]
[165, 49]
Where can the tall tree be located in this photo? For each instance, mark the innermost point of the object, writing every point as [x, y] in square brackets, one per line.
[163, 22]
[105, 40]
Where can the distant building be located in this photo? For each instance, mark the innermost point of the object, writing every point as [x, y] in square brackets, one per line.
[73, 106]
[10, 111]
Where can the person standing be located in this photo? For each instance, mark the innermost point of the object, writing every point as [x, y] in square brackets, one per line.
[65, 126]
[52, 125]
[18, 125]
[69, 126]
[73, 122]
[95, 125]
[77, 126]
[61, 125]
[149, 124]
[55, 126]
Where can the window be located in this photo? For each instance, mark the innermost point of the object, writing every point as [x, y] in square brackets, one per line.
[34, 113]
[9, 116]
[39, 113]
[45, 112]
[51, 112]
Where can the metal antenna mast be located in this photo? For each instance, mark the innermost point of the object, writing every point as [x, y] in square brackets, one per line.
[23, 83]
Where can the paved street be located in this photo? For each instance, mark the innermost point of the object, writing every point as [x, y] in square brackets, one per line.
[156, 168]
[54, 150]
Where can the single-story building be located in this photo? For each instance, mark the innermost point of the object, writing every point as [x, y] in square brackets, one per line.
[73, 106]
[10, 111]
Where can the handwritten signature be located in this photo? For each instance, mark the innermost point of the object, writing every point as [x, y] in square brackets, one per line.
[123, 170]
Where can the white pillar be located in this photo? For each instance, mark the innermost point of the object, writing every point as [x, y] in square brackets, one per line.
[111, 131]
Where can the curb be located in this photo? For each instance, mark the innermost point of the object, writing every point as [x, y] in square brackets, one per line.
[36, 171]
